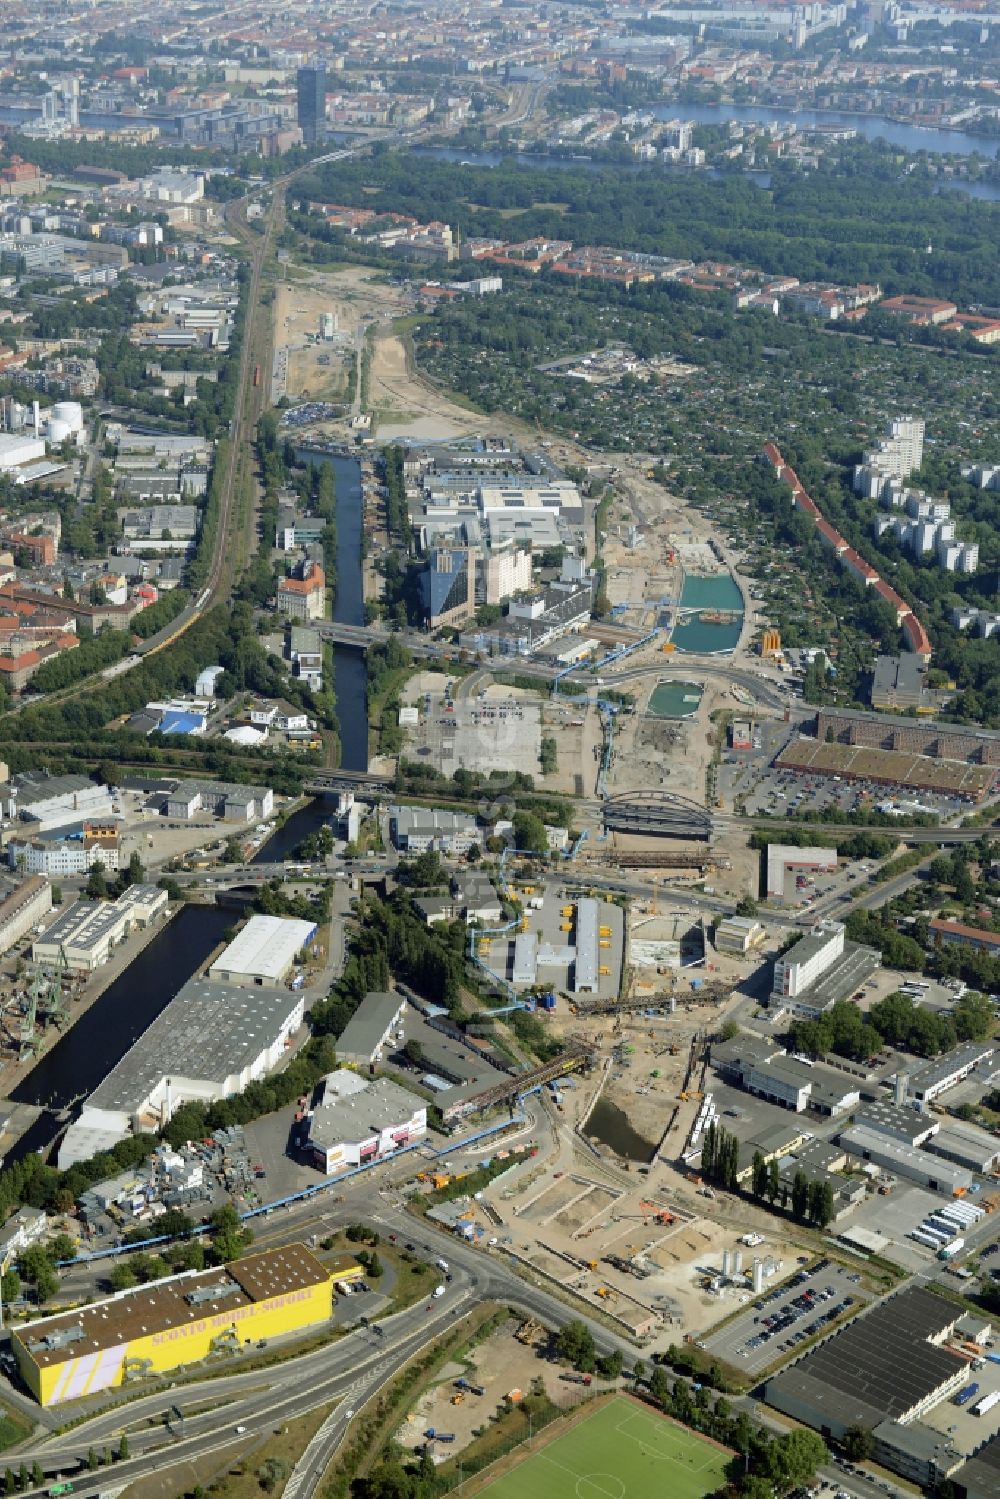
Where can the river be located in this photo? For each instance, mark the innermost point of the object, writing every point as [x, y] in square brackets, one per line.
[350, 673]
[866, 125]
[102, 1035]
[872, 127]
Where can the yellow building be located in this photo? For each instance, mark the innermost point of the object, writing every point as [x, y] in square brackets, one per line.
[173, 1322]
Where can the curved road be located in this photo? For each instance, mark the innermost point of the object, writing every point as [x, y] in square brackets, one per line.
[350, 1368]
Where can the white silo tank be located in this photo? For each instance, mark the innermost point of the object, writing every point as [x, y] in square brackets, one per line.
[727, 1262]
[58, 431]
[70, 412]
[737, 1261]
[757, 1277]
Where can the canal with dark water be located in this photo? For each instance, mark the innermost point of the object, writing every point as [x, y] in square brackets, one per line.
[349, 670]
[99, 1039]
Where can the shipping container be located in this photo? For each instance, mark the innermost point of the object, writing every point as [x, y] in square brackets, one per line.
[964, 1396]
[987, 1403]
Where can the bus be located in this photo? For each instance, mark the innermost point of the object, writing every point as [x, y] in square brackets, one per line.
[60, 1488]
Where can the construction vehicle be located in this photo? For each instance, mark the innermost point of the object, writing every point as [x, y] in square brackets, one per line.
[604, 942]
[457, 1399]
[566, 911]
[603, 1292]
[592, 1264]
[565, 926]
[605, 931]
[529, 1332]
[604, 969]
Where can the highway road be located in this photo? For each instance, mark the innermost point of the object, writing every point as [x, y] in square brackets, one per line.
[350, 1368]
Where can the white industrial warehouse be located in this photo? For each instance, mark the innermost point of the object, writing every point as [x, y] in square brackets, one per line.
[84, 936]
[264, 952]
[210, 1041]
[357, 1120]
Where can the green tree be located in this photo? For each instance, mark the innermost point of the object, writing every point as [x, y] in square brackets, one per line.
[122, 1277]
[758, 1174]
[61, 1247]
[800, 1196]
[229, 1236]
[529, 832]
[792, 1459]
[92, 1459]
[858, 1443]
[36, 1268]
[123, 1449]
[575, 1343]
[659, 1385]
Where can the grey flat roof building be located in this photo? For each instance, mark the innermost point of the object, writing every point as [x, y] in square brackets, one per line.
[980, 1476]
[967, 1146]
[943, 1073]
[365, 1034]
[525, 958]
[855, 965]
[884, 1365]
[928, 1170]
[585, 975]
[897, 1123]
[899, 681]
[209, 1033]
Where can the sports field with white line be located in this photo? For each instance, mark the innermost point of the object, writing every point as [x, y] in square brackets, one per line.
[619, 1451]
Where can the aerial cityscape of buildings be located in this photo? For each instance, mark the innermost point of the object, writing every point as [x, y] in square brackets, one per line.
[500, 766]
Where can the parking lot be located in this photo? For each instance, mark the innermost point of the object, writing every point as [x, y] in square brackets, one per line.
[782, 1319]
[764, 788]
[895, 1217]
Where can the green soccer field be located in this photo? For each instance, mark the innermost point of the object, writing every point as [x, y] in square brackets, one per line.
[619, 1451]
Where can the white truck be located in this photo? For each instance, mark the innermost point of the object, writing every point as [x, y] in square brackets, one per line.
[442, 1265]
[987, 1403]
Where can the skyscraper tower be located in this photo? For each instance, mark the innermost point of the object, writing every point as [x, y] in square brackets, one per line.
[312, 103]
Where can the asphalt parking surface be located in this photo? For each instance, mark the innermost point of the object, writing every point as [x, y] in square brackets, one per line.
[780, 1321]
